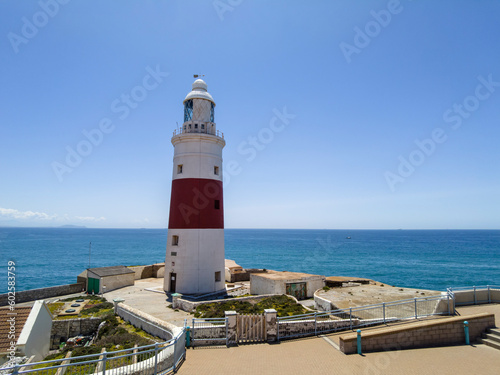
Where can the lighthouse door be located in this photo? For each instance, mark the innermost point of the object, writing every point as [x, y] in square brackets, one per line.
[172, 282]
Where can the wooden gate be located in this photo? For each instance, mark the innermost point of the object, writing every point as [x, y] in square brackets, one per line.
[251, 328]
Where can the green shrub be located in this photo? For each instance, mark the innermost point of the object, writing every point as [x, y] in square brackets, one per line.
[284, 305]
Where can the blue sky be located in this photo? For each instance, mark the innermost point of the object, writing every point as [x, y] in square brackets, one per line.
[336, 114]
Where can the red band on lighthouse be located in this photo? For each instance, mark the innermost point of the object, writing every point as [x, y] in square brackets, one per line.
[196, 204]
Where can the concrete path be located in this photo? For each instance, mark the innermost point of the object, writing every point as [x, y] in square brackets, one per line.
[317, 356]
[147, 295]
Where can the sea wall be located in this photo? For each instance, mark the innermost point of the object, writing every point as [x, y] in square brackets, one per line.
[43, 293]
[145, 272]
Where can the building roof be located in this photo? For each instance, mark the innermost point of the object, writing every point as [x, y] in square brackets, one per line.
[284, 275]
[110, 271]
[228, 263]
[21, 316]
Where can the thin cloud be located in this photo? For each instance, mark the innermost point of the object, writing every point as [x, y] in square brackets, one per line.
[11, 213]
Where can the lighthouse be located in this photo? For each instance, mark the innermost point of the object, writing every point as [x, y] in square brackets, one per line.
[194, 263]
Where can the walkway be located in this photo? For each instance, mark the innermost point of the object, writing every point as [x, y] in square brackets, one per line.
[148, 296]
[317, 356]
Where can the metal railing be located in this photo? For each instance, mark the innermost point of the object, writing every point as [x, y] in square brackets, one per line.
[356, 317]
[216, 133]
[154, 359]
[475, 295]
[210, 330]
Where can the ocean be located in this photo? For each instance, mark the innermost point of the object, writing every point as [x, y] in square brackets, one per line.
[425, 259]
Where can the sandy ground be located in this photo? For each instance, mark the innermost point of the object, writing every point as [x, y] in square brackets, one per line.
[369, 294]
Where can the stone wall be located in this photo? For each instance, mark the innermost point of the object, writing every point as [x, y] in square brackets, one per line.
[307, 326]
[43, 293]
[142, 272]
[64, 329]
[442, 332]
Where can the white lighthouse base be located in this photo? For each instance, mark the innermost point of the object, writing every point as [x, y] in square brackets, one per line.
[194, 263]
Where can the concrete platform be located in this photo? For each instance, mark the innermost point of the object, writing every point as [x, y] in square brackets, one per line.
[146, 296]
[316, 355]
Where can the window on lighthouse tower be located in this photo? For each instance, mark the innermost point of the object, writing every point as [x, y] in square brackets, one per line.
[212, 112]
[188, 110]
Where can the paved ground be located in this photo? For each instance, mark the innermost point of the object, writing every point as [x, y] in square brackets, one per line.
[147, 295]
[317, 356]
[368, 294]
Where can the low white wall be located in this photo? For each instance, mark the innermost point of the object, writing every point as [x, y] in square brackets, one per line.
[466, 297]
[321, 303]
[146, 322]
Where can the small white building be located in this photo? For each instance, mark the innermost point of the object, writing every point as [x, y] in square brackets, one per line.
[299, 285]
[105, 279]
[31, 334]
[232, 270]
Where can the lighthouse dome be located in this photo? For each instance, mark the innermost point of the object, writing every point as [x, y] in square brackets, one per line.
[199, 84]
[199, 91]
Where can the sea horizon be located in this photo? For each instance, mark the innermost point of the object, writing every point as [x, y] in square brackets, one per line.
[428, 259]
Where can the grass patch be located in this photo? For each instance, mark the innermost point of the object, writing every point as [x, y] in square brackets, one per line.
[97, 310]
[55, 307]
[97, 307]
[284, 305]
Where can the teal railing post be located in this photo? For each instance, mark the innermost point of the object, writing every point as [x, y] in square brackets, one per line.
[188, 336]
[466, 329]
[359, 341]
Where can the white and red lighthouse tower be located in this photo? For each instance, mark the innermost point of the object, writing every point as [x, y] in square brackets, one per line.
[194, 263]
